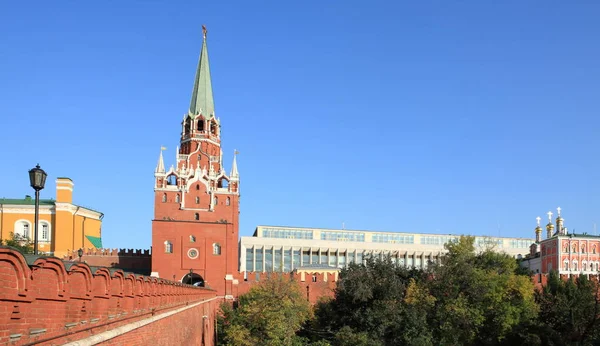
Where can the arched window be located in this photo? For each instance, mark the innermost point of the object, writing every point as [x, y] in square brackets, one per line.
[196, 216]
[582, 248]
[216, 200]
[22, 229]
[164, 197]
[227, 201]
[168, 247]
[200, 125]
[192, 239]
[197, 200]
[171, 180]
[566, 248]
[213, 128]
[197, 187]
[216, 249]
[574, 265]
[575, 248]
[187, 126]
[177, 198]
[583, 265]
[44, 232]
[594, 249]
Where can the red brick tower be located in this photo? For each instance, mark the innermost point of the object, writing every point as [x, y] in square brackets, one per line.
[196, 203]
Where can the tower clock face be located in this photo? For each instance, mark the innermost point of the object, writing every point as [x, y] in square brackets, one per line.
[192, 253]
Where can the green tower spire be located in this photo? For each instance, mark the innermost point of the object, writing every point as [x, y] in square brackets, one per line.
[202, 97]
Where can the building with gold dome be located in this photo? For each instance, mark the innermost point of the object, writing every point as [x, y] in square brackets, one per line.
[566, 252]
[63, 226]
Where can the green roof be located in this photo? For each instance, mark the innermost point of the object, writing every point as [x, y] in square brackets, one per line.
[96, 241]
[202, 97]
[26, 201]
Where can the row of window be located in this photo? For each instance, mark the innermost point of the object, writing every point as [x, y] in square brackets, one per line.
[24, 229]
[584, 266]
[342, 236]
[574, 248]
[169, 247]
[178, 199]
[278, 260]
[393, 238]
[287, 233]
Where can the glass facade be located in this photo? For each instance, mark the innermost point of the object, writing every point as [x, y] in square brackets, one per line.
[437, 239]
[520, 243]
[287, 233]
[342, 236]
[393, 238]
[250, 260]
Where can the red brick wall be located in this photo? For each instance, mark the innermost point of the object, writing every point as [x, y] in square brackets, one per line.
[324, 285]
[181, 329]
[137, 261]
[48, 301]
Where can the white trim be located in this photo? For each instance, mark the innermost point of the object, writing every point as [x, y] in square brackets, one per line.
[113, 333]
[21, 223]
[64, 181]
[64, 188]
[41, 231]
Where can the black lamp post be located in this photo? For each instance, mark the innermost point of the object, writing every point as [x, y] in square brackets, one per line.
[37, 180]
[80, 254]
[191, 276]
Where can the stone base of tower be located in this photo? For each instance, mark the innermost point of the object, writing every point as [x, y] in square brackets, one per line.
[201, 253]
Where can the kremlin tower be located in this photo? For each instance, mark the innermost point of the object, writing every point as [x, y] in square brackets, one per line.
[196, 202]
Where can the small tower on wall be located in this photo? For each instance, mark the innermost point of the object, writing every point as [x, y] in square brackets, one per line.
[196, 203]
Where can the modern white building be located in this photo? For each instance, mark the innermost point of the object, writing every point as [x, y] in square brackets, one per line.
[283, 249]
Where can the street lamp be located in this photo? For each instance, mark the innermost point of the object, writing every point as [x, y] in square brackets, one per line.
[37, 180]
[80, 254]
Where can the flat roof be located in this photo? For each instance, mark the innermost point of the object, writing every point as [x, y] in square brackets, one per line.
[387, 232]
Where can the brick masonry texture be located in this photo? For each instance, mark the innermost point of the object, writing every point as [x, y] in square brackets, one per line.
[46, 301]
[136, 261]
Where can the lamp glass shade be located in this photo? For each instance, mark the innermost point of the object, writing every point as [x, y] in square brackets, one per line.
[37, 178]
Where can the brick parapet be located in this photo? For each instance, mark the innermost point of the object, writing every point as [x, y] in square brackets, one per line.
[49, 301]
[316, 285]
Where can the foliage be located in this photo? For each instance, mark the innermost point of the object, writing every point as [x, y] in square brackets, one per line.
[571, 308]
[19, 242]
[269, 314]
[468, 298]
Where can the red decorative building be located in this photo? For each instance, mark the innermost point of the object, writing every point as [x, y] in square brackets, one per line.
[196, 203]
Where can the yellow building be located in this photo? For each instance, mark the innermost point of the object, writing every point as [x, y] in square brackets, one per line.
[63, 226]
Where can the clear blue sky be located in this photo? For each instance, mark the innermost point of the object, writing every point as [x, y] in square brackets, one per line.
[394, 116]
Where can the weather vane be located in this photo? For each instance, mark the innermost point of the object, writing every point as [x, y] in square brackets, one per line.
[235, 152]
[204, 31]
[538, 220]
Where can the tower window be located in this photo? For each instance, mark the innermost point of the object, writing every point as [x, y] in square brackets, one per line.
[227, 201]
[213, 128]
[171, 180]
[197, 200]
[164, 197]
[216, 249]
[200, 125]
[168, 247]
[197, 187]
[196, 216]
[187, 126]
[192, 239]
[177, 198]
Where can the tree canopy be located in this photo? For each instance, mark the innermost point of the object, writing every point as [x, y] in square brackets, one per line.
[468, 298]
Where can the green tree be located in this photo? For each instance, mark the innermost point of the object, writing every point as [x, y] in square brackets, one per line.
[571, 309]
[269, 314]
[19, 242]
[368, 307]
[480, 298]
